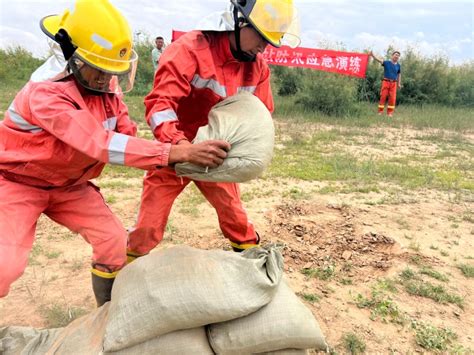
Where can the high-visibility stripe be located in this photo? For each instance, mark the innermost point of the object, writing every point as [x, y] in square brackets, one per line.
[390, 106]
[117, 147]
[250, 89]
[163, 116]
[110, 123]
[104, 274]
[20, 122]
[212, 84]
[381, 106]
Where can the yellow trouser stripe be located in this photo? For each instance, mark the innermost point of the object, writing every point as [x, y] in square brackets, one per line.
[381, 106]
[243, 246]
[103, 274]
[390, 106]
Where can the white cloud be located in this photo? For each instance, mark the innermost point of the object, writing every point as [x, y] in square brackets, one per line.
[353, 24]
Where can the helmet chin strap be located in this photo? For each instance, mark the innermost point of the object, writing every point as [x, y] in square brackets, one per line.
[239, 54]
[68, 49]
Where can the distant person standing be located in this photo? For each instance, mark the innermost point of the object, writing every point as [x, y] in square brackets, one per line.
[157, 51]
[391, 80]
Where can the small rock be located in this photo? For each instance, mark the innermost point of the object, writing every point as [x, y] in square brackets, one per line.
[346, 255]
[457, 314]
[308, 265]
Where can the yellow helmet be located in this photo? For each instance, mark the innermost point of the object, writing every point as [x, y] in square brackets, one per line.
[94, 32]
[275, 20]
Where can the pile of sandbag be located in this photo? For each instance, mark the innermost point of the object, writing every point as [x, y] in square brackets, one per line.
[188, 301]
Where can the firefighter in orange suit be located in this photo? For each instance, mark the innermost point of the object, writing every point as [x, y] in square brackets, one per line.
[391, 80]
[59, 133]
[197, 71]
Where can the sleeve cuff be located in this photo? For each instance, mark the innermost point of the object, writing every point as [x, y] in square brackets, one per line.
[165, 154]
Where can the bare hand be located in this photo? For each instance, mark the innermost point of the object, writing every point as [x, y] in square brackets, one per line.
[208, 154]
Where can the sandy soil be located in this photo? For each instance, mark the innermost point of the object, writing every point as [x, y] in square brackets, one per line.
[362, 242]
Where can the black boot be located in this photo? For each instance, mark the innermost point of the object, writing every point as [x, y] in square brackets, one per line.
[102, 283]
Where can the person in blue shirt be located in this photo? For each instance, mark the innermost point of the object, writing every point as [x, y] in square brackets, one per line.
[390, 82]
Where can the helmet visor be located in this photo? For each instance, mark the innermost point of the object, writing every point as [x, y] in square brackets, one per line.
[99, 79]
[277, 21]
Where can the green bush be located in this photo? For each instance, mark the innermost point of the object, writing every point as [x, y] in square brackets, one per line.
[288, 80]
[334, 95]
[17, 64]
[425, 81]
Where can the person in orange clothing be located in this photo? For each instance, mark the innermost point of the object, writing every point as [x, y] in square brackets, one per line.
[59, 133]
[391, 80]
[197, 71]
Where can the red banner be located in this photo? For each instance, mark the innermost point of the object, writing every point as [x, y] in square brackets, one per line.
[347, 63]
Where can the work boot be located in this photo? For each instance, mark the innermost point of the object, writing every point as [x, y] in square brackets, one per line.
[238, 248]
[102, 283]
[132, 256]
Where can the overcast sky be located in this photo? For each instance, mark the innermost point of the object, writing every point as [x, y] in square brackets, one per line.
[432, 27]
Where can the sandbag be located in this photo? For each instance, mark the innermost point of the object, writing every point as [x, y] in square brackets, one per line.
[287, 352]
[189, 341]
[245, 122]
[83, 336]
[285, 323]
[182, 287]
[25, 340]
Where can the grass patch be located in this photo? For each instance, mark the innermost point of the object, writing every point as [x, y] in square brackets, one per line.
[419, 117]
[408, 274]
[323, 273]
[433, 273]
[310, 297]
[346, 281]
[468, 216]
[76, 265]
[57, 316]
[120, 171]
[380, 304]
[297, 193]
[433, 338]
[115, 184]
[386, 285]
[353, 344]
[467, 270]
[111, 198]
[444, 253]
[305, 161]
[435, 292]
[190, 200]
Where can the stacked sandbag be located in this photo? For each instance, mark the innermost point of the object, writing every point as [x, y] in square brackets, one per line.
[285, 323]
[26, 340]
[84, 335]
[186, 301]
[188, 341]
[182, 288]
[245, 122]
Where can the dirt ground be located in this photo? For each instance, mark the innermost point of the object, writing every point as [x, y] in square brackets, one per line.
[360, 243]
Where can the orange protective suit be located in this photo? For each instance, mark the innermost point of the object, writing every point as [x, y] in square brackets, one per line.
[54, 138]
[388, 91]
[195, 73]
